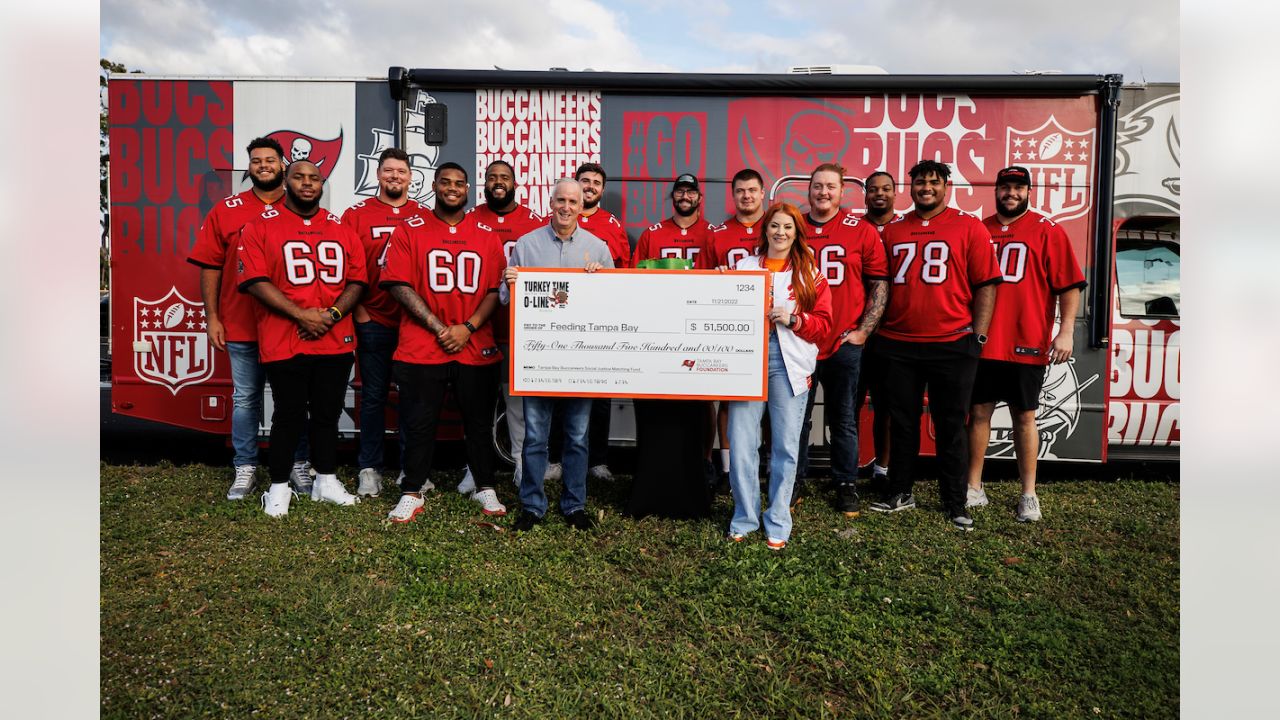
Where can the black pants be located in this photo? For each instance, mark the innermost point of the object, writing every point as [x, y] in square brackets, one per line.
[597, 434]
[947, 370]
[422, 393]
[303, 385]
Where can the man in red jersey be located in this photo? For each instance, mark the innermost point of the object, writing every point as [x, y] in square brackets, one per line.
[880, 194]
[377, 317]
[307, 270]
[1038, 264]
[231, 324]
[849, 253]
[444, 268]
[684, 235]
[943, 273]
[730, 242]
[604, 225]
[510, 221]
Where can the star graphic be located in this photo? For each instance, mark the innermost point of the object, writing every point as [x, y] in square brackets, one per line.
[1031, 155]
[1017, 142]
[146, 324]
[190, 312]
[204, 326]
[1017, 155]
[1084, 143]
[202, 313]
[146, 312]
[1070, 156]
[191, 325]
[1083, 156]
[1071, 143]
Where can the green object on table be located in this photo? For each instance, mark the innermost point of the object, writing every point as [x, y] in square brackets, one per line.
[668, 263]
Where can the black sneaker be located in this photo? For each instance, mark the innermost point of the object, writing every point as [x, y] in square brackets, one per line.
[960, 518]
[579, 520]
[722, 485]
[526, 522]
[847, 500]
[894, 503]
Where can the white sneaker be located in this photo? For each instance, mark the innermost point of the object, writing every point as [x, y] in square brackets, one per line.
[468, 484]
[975, 498]
[489, 504]
[553, 473]
[407, 509]
[601, 472]
[427, 485]
[246, 477]
[302, 477]
[275, 501]
[370, 483]
[1028, 508]
[328, 489]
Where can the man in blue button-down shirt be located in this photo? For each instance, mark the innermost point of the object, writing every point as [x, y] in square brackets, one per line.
[560, 244]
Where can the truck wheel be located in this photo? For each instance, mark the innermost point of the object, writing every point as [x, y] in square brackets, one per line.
[501, 437]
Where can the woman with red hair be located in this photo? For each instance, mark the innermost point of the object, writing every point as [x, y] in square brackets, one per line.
[799, 318]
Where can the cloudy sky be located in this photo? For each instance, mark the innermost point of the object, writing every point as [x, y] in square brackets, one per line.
[1138, 38]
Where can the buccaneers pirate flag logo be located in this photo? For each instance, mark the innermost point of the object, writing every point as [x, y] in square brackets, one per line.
[1061, 163]
[298, 146]
[170, 345]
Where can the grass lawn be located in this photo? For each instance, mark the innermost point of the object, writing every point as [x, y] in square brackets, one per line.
[211, 609]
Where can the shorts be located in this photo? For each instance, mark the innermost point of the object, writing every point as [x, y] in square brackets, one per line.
[1017, 384]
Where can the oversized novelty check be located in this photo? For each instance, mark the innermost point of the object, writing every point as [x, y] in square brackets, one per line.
[689, 334]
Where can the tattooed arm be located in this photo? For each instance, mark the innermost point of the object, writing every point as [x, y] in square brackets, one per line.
[877, 298]
[416, 307]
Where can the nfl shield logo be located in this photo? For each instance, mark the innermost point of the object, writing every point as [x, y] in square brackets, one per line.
[172, 329]
[1061, 164]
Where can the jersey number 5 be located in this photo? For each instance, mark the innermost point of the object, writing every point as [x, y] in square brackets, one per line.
[933, 266]
[302, 265]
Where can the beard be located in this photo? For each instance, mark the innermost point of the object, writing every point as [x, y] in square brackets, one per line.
[588, 204]
[304, 207]
[1017, 210]
[693, 210]
[267, 185]
[499, 204]
[394, 194]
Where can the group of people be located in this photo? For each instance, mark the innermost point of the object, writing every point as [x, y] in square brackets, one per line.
[875, 303]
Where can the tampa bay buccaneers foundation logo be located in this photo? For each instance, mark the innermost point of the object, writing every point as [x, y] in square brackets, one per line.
[170, 344]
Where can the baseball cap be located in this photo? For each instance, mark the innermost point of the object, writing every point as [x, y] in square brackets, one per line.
[686, 179]
[1014, 174]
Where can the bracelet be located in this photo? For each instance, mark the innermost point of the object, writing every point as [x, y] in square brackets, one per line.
[335, 313]
[467, 324]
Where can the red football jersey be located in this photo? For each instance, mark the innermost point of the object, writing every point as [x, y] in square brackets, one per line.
[509, 228]
[669, 240]
[934, 266]
[373, 221]
[730, 243]
[215, 249]
[880, 228]
[605, 226]
[452, 268]
[1038, 264]
[848, 252]
[311, 260]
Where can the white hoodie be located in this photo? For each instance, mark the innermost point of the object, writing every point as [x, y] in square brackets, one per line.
[800, 356]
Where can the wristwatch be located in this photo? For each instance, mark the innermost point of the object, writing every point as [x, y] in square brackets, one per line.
[335, 313]
[982, 339]
[791, 322]
[467, 324]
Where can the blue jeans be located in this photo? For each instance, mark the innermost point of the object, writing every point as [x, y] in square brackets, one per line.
[375, 344]
[786, 416]
[248, 378]
[537, 430]
[839, 377]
